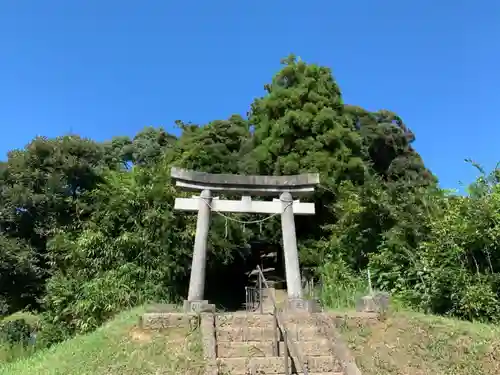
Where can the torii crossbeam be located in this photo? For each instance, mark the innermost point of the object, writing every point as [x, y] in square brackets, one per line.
[204, 204]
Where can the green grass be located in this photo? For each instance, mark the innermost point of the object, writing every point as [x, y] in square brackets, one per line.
[403, 342]
[416, 344]
[32, 319]
[117, 348]
[11, 353]
[342, 297]
[400, 343]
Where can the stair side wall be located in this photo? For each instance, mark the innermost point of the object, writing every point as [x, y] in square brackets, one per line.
[207, 328]
[325, 327]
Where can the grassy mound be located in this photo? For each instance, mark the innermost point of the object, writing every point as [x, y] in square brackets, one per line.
[118, 347]
[415, 344]
[403, 344]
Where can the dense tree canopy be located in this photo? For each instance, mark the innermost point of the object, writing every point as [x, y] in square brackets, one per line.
[88, 228]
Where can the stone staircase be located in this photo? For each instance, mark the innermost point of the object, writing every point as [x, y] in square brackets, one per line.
[249, 343]
[245, 344]
[272, 295]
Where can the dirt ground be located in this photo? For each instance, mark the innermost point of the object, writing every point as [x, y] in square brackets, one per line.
[415, 344]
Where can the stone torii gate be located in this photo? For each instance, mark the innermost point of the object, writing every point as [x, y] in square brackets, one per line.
[246, 186]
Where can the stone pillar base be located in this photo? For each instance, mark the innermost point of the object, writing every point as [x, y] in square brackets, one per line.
[306, 305]
[198, 306]
[366, 304]
[376, 303]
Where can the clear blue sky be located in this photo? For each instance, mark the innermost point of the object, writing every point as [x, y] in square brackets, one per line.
[105, 67]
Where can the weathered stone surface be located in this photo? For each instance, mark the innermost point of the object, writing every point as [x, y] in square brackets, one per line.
[245, 185]
[245, 343]
[382, 300]
[199, 262]
[243, 365]
[265, 349]
[376, 303]
[243, 206]
[323, 364]
[243, 333]
[235, 179]
[314, 305]
[326, 328]
[195, 307]
[162, 321]
[290, 251]
[271, 296]
[261, 334]
[244, 320]
[318, 347]
[236, 349]
[297, 304]
[275, 365]
[305, 305]
[366, 304]
[207, 328]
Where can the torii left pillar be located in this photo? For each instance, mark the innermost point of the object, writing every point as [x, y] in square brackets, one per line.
[292, 270]
[195, 301]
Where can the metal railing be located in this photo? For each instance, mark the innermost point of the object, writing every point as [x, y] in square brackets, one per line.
[254, 295]
[289, 345]
[253, 299]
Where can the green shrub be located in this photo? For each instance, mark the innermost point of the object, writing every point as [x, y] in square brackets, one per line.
[15, 332]
[340, 287]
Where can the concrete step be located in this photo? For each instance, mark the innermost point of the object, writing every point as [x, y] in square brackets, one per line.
[275, 365]
[309, 373]
[242, 333]
[265, 349]
[244, 320]
[252, 319]
[281, 297]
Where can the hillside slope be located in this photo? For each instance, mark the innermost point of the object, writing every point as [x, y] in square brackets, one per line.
[403, 344]
[416, 344]
[117, 348]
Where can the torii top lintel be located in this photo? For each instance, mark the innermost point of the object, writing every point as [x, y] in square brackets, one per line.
[298, 185]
